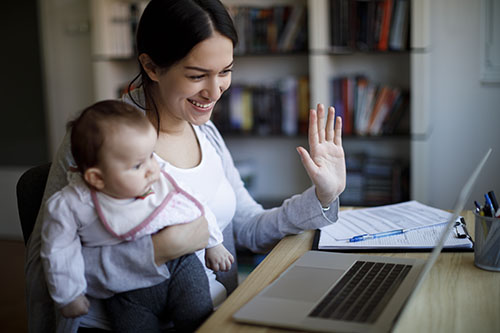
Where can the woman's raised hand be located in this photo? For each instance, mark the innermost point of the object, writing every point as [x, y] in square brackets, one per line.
[325, 164]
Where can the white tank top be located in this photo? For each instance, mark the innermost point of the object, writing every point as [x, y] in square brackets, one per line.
[208, 181]
[209, 184]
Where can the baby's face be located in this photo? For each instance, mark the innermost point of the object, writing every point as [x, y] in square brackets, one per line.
[127, 163]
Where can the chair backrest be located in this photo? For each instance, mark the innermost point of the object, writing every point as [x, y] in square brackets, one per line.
[30, 188]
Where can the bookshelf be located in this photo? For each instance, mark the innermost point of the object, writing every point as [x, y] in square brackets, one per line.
[270, 79]
[271, 75]
[402, 64]
[263, 66]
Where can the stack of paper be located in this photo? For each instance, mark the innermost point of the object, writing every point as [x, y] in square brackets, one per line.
[420, 227]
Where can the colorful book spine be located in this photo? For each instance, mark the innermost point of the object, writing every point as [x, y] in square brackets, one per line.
[383, 43]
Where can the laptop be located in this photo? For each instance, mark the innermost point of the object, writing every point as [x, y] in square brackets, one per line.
[344, 292]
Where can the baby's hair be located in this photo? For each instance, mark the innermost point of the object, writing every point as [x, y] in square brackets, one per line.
[90, 128]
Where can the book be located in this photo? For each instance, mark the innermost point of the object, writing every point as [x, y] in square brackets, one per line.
[383, 110]
[365, 109]
[303, 104]
[369, 108]
[353, 194]
[342, 26]
[373, 181]
[348, 92]
[337, 98]
[419, 227]
[398, 120]
[246, 111]
[379, 108]
[273, 108]
[383, 43]
[288, 87]
[236, 107]
[270, 29]
[361, 90]
[369, 25]
[399, 28]
[292, 28]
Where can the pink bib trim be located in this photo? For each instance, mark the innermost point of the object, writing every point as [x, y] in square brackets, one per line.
[130, 234]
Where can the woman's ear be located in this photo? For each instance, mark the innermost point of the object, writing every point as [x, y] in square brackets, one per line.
[149, 66]
[93, 177]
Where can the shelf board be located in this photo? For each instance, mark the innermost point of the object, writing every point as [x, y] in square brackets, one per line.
[272, 54]
[114, 58]
[238, 136]
[351, 52]
[376, 137]
[304, 136]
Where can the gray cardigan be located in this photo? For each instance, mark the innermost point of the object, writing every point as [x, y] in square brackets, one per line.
[252, 227]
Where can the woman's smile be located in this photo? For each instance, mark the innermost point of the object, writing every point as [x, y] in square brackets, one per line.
[202, 106]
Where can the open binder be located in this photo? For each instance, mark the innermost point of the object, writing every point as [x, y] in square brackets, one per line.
[419, 227]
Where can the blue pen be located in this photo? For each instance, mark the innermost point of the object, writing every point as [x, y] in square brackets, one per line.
[360, 238]
[493, 200]
[488, 206]
[478, 206]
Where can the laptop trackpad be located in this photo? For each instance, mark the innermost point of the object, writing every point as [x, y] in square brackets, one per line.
[304, 283]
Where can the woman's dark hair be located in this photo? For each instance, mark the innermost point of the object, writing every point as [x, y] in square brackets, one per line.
[169, 29]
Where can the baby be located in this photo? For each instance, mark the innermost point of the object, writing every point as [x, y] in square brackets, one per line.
[117, 194]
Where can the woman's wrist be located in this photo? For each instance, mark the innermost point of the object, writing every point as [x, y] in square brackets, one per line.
[166, 247]
[325, 201]
[161, 254]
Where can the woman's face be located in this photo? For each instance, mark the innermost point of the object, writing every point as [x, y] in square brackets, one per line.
[189, 89]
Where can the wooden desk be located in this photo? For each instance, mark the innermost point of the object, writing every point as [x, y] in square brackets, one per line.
[455, 297]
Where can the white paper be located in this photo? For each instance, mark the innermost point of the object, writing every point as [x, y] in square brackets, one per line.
[425, 223]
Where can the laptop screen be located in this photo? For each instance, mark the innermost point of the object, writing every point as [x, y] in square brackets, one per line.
[459, 206]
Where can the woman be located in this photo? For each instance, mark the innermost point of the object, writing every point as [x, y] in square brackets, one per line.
[185, 50]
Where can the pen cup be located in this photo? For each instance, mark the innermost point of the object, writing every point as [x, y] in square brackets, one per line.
[487, 244]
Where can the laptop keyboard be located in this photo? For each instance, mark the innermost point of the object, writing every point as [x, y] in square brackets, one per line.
[362, 293]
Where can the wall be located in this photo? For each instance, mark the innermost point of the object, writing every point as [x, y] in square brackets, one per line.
[46, 79]
[68, 77]
[465, 114]
[23, 139]
[22, 128]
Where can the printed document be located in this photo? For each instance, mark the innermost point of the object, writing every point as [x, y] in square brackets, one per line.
[421, 224]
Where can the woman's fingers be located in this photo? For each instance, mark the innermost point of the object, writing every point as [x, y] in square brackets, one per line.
[321, 122]
[330, 123]
[307, 161]
[337, 139]
[313, 128]
[317, 131]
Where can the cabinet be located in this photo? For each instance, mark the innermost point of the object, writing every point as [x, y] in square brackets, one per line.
[269, 162]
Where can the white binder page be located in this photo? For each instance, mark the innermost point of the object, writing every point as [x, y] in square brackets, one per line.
[423, 238]
[407, 216]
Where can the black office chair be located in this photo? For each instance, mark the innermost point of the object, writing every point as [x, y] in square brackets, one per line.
[29, 189]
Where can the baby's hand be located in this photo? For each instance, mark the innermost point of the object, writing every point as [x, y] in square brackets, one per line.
[79, 307]
[217, 258]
